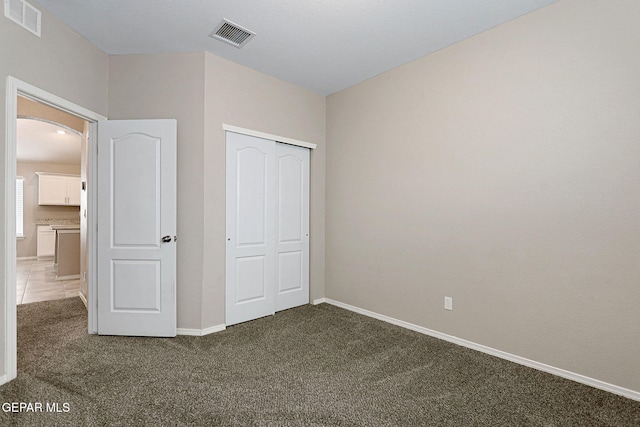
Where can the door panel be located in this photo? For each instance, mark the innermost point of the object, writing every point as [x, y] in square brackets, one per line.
[145, 296]
[290, 198]
[136, 183]
[136, 209]
[292, 246]
[251, 279]
[250, 202]
[251, 178]
[290, 270]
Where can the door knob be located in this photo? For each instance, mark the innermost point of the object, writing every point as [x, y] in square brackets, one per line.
[166, 239]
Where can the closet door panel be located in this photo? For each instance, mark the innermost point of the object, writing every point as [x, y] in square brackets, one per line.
[250, 275]
[292, 225]
[290, 271]
[252, 173]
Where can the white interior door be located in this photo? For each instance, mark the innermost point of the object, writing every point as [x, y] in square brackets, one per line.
[137, 227]
[292, 226]
[267, 265]
[250, 268]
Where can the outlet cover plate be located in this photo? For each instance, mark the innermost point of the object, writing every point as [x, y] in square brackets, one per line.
[448, 303]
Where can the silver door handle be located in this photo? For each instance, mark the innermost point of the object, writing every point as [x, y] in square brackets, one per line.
[166, 239]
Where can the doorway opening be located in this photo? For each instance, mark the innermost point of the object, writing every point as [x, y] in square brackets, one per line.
[18, 89]
[51, 203]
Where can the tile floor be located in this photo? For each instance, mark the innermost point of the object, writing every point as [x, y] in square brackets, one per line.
[37, 282]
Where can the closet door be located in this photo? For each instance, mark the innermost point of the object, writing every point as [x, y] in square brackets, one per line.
[292, 226]
[267, 265]
[250, 264]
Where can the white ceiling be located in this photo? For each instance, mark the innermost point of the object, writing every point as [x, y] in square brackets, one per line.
[38, 141]
[323, 45]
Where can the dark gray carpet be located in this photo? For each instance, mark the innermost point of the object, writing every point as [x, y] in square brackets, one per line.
[313, 365]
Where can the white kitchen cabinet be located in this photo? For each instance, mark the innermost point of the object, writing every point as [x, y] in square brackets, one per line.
[46, 241]
[74, 188]
[58, 189]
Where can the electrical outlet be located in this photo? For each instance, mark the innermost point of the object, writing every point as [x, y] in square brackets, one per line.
[448, 303]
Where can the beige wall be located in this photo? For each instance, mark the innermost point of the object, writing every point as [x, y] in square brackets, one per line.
[202, 92]
[239, 96]
[62, 63]
[32, 211]
[503, 171]
[171, 86]
[30, 109]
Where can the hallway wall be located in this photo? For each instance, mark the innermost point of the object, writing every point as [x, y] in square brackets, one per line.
[62, 63]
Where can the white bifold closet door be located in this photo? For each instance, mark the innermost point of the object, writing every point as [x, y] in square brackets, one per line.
[267, 265]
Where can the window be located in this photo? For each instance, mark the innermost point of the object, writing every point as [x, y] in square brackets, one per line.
[19, 206]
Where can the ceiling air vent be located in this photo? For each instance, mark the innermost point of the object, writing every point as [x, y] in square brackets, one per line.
[231, 33]
[25, 15]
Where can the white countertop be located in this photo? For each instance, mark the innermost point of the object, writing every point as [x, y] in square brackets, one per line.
[58, 221]
[64, 227]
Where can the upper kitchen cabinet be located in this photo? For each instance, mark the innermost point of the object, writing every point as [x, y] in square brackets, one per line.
[58, 189]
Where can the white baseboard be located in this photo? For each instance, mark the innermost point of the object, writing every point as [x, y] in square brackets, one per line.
[201, 332]
[69, 277]
[84, 300]
[23, 258]
[631, 394]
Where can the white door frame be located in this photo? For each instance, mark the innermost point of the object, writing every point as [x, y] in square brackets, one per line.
[14, 88]
[264, 135]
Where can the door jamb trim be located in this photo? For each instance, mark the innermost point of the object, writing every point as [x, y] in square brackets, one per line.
[263, 135]
[15, 87]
